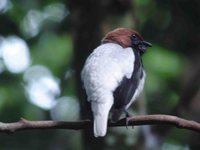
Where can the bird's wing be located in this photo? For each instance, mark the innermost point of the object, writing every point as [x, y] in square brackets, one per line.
[128, 86]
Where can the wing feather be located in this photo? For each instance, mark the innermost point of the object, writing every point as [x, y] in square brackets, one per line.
[127, 88]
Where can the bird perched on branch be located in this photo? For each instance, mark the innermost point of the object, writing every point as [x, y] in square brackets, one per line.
[113, 76]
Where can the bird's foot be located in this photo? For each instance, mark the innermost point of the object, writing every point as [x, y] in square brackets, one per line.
[127, 115]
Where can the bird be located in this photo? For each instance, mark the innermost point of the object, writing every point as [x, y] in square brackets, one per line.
[113, 76]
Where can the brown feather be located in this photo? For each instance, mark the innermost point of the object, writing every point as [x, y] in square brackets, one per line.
[121, 36]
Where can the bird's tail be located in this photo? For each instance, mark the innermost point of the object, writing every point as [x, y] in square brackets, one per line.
[100, 125]
[100, 114]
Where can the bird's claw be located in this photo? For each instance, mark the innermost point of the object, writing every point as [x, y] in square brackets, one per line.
[127, 123]
[127, 115]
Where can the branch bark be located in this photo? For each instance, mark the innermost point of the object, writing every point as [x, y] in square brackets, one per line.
[24, 124]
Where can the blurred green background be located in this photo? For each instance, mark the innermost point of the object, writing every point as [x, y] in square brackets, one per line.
[44, 43]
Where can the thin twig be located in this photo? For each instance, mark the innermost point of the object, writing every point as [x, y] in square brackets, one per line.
[24, 124]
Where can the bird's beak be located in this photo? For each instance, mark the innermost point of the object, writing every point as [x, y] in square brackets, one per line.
[147, 44]
[143, 46]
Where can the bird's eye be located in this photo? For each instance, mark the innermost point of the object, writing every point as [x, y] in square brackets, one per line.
[134, 36]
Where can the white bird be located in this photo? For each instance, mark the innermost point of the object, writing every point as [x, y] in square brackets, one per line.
[113, 76]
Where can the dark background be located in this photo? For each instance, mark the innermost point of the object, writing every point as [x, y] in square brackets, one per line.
[59, 35]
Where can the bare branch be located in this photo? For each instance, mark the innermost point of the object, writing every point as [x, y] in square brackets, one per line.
[24, 124]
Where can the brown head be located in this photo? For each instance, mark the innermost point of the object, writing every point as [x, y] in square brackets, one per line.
[126, 38]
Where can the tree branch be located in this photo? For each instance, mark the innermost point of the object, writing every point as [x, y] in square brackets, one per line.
[24, 124]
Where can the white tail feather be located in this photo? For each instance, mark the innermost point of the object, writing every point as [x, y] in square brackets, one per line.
[100, 114]
[100, 125]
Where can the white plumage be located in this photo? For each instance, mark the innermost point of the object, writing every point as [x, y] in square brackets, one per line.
[103, 71]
